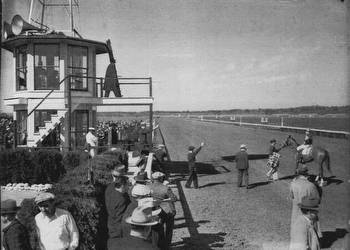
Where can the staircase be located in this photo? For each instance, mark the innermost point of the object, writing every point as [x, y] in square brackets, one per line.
[50, 125]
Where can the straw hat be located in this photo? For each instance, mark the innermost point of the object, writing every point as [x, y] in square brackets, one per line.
[309, 203]
[140, 190]
[157, 175]
[144, 216]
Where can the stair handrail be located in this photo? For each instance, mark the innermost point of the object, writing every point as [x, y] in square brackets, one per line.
[31, 112]
[50, 92]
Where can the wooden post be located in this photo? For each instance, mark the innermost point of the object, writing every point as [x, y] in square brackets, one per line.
[151, 124]
[109, 138]
[69, 114]
[15, 135]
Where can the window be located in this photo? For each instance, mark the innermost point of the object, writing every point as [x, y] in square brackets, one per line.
[21, 68]
[78, 66]
[41, 116]
[80, 124]
[46, 66]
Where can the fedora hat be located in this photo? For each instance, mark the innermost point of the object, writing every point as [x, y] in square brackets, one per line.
[144, 216]
[9, 207]
[310, 203]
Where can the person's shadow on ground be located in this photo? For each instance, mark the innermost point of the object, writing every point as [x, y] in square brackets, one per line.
[328, 238]
[201, 241]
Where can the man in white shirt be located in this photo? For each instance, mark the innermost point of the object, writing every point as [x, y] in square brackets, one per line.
[92, 142]
[55, 226]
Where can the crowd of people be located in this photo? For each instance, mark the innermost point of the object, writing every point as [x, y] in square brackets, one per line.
[141, 208]
[127, 133]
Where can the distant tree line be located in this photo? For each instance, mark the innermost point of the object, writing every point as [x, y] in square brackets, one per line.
[321, 110]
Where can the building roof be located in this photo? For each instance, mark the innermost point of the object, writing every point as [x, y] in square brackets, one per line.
[13, 42]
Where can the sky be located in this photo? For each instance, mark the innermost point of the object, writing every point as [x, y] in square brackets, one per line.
[222, 54]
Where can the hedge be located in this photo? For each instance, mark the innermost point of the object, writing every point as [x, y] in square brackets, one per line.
[20, 165]
[73, 193]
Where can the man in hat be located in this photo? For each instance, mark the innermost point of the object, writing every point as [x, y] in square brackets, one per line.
[15, 235]
[56, 227]
[166, 197]
[91, 142]
[117, 200]
[242, 165]
[191, 157]
[141, 221]
[304, 233]
[301, 187]
[273, 162]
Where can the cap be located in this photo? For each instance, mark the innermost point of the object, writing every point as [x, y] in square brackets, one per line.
[44, 197]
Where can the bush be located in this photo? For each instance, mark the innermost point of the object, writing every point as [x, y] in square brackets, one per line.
[72, 159]
[20, 165]
[49, 167]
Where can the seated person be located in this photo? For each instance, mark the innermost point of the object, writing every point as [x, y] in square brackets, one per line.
[305, 152]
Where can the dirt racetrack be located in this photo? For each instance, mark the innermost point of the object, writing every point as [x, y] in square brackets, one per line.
[219, 215]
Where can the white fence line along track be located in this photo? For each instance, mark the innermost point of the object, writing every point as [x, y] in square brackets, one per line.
[320, 132]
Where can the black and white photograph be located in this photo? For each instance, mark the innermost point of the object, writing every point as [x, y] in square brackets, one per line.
[175, 124]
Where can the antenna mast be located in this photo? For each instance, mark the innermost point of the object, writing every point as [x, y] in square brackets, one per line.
[55, 3]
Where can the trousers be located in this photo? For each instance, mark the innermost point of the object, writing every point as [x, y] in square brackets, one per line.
[243, 173]
[193, 177]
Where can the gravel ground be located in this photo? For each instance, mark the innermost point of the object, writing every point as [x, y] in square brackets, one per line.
[219, 215]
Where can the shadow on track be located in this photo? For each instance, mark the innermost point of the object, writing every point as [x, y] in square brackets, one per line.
[203, 241]
[181, 168]
[212, 184]
[330, 237]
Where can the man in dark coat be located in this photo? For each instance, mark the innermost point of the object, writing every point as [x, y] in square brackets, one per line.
[117, 201]
[15, 235]
[191, 157]
[166, 197]
[242, 164]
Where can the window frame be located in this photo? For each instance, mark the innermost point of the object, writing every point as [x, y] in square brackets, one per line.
[22, 67]
[71, 68]
[47, 66]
